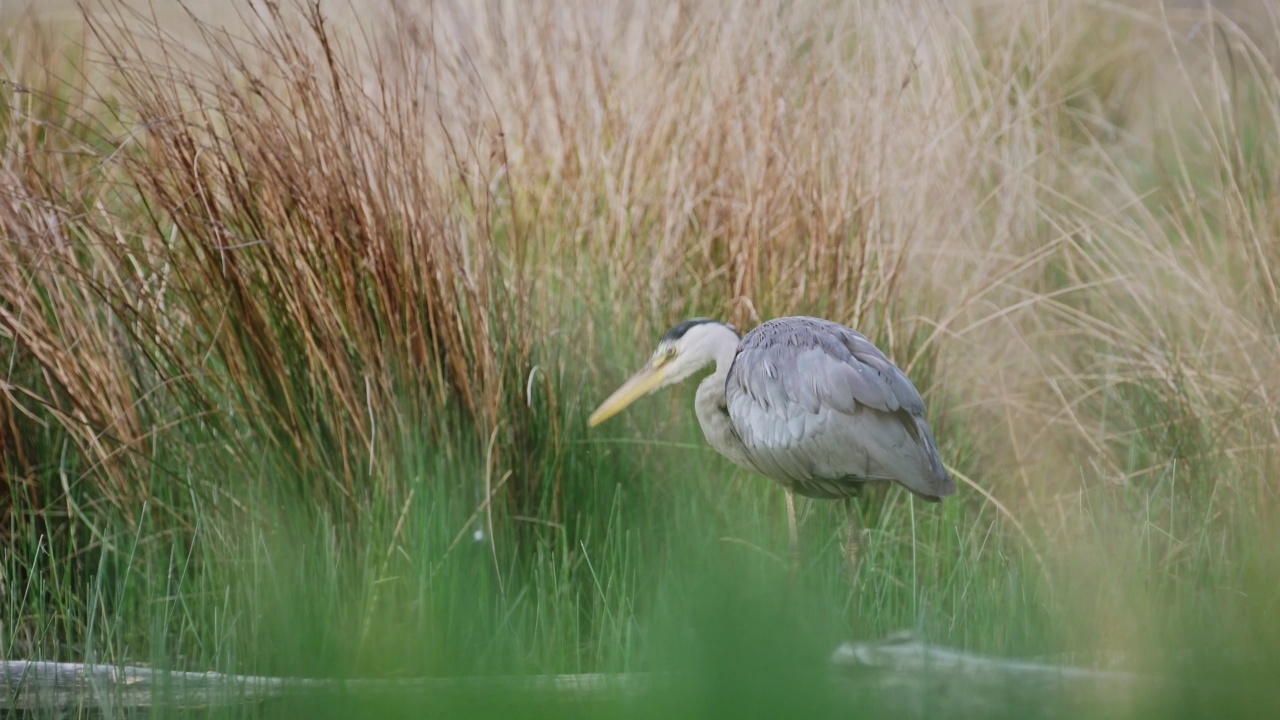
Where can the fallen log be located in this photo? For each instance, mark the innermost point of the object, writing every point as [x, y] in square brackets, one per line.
[908, 677]
[901, 668]
[907, 655]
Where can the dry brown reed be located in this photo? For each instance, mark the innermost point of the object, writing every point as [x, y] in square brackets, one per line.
[67, 368]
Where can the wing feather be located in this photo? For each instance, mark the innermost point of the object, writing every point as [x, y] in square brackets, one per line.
[819, 406]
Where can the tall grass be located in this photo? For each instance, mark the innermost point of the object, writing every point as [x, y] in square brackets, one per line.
[301, 319]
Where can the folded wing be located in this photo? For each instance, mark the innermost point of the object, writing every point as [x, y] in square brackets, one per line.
[818, 406]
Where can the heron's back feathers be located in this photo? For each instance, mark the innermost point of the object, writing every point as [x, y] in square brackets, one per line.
[819, 407]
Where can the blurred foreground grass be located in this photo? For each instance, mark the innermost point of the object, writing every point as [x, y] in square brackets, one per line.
[301, 326]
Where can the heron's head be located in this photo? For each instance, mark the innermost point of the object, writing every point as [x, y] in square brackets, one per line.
[683, 351]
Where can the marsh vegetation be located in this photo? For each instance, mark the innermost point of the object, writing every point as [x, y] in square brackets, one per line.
[302, 319]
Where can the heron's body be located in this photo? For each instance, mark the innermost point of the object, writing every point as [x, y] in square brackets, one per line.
[807, 402]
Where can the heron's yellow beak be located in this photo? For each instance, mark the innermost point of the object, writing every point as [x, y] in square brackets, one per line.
[640, 384]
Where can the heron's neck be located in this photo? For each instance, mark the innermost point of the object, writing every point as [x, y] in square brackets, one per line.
[721, 355]
[713, 412]
[724, 354]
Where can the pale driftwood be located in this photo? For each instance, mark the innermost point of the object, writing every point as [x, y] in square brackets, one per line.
[35, 685]
[909, 677]
[901, 670]
[32, 685]
[904, 653]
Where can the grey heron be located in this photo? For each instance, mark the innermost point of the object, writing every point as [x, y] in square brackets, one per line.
[807, 402]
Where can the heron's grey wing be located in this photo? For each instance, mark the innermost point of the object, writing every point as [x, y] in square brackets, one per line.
[816, 402]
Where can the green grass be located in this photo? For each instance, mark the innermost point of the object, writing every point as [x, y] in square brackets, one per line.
[666, 560]
[300, 338]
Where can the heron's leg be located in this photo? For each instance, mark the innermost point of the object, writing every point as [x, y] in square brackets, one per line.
[851, 545]
[791, 528]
